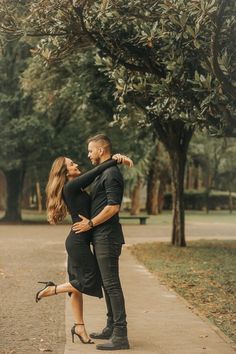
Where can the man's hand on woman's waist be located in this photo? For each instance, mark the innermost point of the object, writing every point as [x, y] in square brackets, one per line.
[86, 224]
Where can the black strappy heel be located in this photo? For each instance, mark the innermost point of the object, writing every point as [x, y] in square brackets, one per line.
[47, 283]
[73, 333]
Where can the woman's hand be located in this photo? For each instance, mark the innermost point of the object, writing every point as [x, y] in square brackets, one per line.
[125, 160]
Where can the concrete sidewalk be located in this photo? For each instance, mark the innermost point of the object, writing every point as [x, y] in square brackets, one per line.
[159, 321]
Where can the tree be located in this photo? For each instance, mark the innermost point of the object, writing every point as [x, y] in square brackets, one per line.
[162, 48]
[22, 130]
[157, 178]
[152, 183]
[160, 56]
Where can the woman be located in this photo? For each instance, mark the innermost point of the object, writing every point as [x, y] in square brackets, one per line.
[65, 193]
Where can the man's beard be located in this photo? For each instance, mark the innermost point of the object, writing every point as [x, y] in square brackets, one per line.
[96, 161]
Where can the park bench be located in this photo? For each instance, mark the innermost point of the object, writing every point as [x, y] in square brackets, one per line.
[142, 219]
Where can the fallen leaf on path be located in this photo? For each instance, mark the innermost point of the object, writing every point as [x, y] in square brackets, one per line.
[45, 349]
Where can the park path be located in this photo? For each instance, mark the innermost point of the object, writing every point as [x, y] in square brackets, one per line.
[159, 321]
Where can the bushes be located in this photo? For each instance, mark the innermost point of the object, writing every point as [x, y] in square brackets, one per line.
[200, 200]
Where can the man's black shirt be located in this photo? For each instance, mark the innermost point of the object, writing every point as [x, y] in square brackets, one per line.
[107, 189]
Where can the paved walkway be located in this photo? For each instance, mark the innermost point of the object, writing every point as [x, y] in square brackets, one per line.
[159, 321]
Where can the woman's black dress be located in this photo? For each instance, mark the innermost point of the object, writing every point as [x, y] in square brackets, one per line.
[82, 266]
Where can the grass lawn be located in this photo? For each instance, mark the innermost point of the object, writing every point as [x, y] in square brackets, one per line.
[220, 216]
[204, 273]
[35, 217]
[214, 217]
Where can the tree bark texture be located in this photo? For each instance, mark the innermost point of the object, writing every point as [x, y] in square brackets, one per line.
[135, 197]
[39, 197]
[152, 186]
[178, 161]
[208, 190]
[2, 191]
[176, 136]
[15, 180]
[230, 201]
[160, 196]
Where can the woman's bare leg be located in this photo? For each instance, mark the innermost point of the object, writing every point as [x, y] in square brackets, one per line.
[76, 303]
[77, 309]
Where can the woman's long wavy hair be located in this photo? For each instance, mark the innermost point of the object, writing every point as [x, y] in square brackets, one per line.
[56, 208]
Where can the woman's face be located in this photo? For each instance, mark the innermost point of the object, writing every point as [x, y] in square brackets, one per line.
[72, 168]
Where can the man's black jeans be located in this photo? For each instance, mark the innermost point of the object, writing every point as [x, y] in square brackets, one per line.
[107, 254]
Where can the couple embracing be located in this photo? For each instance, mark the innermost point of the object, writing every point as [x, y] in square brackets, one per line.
[95, 220]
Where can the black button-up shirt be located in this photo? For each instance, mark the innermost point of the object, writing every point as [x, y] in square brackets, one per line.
[107, 189]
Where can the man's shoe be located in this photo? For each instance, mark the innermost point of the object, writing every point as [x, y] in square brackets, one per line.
[106, 333]
[115, 344]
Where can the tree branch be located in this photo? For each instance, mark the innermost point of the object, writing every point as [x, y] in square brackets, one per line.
[42, 34]
[98, 42]
[161, 131]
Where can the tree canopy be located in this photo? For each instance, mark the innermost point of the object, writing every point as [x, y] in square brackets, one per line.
[155, 38]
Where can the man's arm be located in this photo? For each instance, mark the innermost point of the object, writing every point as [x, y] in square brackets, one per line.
[104, 215]
[113, 189]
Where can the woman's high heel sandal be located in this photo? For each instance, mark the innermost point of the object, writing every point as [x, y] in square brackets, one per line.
[80, 337]
[49, 283]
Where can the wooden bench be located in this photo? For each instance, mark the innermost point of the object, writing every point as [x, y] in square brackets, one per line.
[142, 219]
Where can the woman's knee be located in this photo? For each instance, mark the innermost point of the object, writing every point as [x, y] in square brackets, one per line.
[74, 290]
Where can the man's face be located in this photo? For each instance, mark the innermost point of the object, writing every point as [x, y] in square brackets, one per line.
[94, 152]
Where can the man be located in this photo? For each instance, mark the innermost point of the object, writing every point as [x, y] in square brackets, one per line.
[106, 197]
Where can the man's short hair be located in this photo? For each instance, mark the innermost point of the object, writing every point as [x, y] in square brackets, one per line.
[105, 141]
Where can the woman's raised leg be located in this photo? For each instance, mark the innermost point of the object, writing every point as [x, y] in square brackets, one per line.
[76, 303]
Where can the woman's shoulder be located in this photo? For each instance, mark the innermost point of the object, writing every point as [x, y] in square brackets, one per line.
[68, 187]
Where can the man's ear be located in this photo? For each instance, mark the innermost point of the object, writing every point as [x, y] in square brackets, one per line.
[101, 150]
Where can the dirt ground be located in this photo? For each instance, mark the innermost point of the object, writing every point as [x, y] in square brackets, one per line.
[30, 254]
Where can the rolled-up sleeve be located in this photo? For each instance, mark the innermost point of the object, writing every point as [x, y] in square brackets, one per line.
[113, 185]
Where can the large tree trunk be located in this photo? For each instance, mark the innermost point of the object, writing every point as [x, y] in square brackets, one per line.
[135, 197]
[160, 196]
[189, 177]
[15, 180]
[207, 191]
[2, 191]
[230, 201]
[176, 136]
[152, 186]
[178, 162]
[39, 197]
